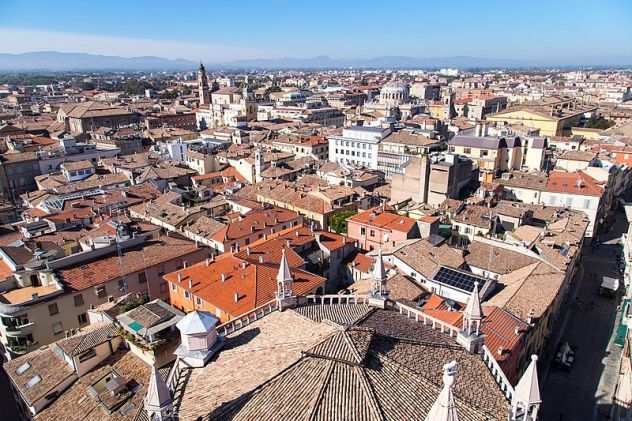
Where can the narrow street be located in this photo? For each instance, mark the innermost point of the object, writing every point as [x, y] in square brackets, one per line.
[584, 393]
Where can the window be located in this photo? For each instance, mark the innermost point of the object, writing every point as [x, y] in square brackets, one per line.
[362, 231]
[187, 295]
[34, 380]
[22, 369]
[91, 353]
[372, 233]
[78, 300]
[198, 301]
[174, 287]
[122, 285]
[100, 291]
[142, 278]
[58, 327]
[82, 318]
[53, 309]
[467, 150]
[484, 153]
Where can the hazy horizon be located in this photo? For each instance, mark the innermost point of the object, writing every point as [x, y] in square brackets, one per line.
[588, 33]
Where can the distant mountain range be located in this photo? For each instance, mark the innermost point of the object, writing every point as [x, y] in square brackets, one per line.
[56, 61]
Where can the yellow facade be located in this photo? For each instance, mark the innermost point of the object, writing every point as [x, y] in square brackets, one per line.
[549, 126]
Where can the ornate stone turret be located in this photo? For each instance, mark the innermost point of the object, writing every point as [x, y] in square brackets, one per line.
[285, 295]
[526, 400]
[470, 336]
[198, 338]
[205, 97]
[444, 408]
[378, 289]
[158, 401]
[258, 165]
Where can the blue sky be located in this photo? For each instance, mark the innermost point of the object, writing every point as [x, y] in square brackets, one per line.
[580, 31]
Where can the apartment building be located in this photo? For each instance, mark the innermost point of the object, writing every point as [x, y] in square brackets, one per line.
[316, 147]
[358, 145]
[492, 155]
[377, 229]
[48, 297]
[432, 179]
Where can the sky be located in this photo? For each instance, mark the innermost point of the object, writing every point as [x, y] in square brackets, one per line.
[552, 31]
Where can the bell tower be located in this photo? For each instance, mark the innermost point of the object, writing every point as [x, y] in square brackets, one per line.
[203, 91]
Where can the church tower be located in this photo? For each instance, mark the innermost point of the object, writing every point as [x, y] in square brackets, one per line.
[203, 91]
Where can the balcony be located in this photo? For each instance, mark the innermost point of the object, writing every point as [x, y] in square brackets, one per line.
[20, 348]
[16, 330]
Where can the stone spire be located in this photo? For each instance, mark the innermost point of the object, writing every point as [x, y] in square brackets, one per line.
[526, 400]
[379, 276]
[284, 278]
[473, 314]
[203, 92]
[158, 401]
[444, 408]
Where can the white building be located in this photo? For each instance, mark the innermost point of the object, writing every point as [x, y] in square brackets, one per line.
[357, 145]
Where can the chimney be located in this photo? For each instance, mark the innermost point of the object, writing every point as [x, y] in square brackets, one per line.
[179, 277]
[247, 251]
[243, 265]
[208, 261]
[223, 276]
[260, 259]
[184, 264]
[477, 130]
[236, 297]
[190, 283]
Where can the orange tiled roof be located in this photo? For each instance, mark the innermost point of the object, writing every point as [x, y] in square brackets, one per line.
[108, 268]
[253, 221]
[245, 285]
[573, 183]
[384, 220]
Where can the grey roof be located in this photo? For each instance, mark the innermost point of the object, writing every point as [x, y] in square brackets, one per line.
[513, 141]
[362, 375]
[478, 142]
[344, 315]
[367, 129]
[77, 344]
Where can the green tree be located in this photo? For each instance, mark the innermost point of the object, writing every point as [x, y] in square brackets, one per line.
[338, 221]
[599, 123]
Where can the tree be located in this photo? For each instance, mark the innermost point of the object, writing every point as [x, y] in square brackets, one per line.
[338, 221]
[599, 123]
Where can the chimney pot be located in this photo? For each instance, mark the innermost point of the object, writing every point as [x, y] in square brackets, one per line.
[179, 277]
[223, 277]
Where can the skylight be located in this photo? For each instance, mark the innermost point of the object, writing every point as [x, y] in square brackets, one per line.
[22, 369]
[34, 380]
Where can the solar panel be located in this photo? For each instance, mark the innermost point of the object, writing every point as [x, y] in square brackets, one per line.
[457, 279]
